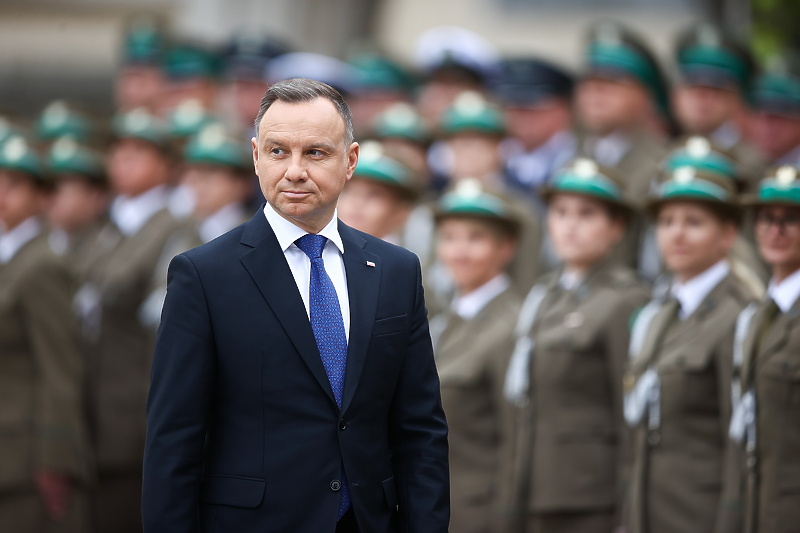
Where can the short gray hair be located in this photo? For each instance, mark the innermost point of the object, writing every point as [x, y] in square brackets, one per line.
[297, 90]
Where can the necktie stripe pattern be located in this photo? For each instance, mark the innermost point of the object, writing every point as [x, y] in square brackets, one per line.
[328, 326]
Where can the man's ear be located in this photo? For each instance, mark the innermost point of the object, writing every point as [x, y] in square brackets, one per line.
[254, 144]
[352, 159]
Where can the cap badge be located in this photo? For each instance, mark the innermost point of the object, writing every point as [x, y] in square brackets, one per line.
[14, 149]
[56, 114]
[64, 148]
[698, 147]
[469, 187]
[785, 176]
[212, 136]
[585, 168]
[137, 120]
[683, 175]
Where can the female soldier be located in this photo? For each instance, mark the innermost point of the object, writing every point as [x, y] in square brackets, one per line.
[767, 418]
[566, 369]
[678, 388]
[43, 436]
[477, 237]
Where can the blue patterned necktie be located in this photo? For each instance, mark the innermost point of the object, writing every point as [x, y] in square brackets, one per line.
[326, 321]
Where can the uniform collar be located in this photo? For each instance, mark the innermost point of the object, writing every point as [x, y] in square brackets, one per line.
[469, 305]
[786, 292]
[131, 213]
[224, 219]
[12, 241]
[691, 293]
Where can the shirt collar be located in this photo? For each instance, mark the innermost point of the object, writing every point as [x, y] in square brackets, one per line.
[130, 214]
[691, 294]
[786, 292]
[12, 241]
[726, 135]
[287, 232]
[610, 149]
[224, 219]
[469, 305]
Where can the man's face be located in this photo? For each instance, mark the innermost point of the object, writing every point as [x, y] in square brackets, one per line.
[302, 162]
[775, 135]
[136, 166]
[372, 207]
[777, 231]
[75, 204]
[20, 198]
[701, 110]
[604, 106]
[536, 124]
[215, 187]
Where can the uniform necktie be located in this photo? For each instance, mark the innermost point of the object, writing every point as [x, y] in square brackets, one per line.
[326, 322]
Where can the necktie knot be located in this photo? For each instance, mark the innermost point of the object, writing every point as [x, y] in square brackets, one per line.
[312, 245]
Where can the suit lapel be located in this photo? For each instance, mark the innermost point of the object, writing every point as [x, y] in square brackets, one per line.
[267, 266]
[363, 283]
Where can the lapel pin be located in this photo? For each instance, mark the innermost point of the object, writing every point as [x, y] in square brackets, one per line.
[370, 264]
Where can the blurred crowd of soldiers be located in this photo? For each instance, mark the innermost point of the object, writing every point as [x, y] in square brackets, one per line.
[611, 261]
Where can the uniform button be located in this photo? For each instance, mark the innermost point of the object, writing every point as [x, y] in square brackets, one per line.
[342, 424]
[336, 485]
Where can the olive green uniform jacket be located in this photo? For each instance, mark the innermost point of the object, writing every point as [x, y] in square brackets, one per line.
[772, 367]
[42, 427]
[677, 473]
[120, 341]
[569, 435]
[472, 356]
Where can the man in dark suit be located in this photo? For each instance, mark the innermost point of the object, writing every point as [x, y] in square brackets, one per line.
[254, 426]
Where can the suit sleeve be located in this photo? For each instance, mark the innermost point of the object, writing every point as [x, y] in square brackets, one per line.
[418, 432]
[178, 405]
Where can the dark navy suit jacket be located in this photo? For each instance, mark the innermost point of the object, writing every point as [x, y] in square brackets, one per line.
[244, 434]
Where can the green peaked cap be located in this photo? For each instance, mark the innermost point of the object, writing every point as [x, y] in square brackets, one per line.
[67, 156]
[374, 165]
[16, 154]
[214, 145]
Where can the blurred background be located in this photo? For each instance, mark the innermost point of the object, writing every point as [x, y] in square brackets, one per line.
[71, 49]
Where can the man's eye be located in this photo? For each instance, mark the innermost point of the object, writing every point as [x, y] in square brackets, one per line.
[276, 151]
[315, 153]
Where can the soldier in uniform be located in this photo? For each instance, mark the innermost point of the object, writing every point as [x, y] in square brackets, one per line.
[678, 398]
[766, 421]
[716, 71]
[380, 195]
[60, 120]
[537, 99]
[140, 80]
[473, 338]
[472, 130]
[776, 123]
[45, 463]
[79, 201]
[621, 94]
[565, 373]
[120, 334]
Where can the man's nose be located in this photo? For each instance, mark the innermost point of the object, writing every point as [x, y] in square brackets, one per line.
[296, 170]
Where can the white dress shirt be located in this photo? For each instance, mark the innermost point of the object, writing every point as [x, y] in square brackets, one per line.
[130, 214]
[691, 293]
[224, 219]
[469, 305]
[300, 264]
[12, 241]
[786, 292]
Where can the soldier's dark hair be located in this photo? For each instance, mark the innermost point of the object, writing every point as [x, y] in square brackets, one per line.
[298, 90]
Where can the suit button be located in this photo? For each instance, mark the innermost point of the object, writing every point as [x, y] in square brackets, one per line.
[336, 485]
[342, 424]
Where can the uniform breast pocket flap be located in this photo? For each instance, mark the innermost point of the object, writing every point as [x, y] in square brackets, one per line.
[696, 361]
[246, 492]
[390, 325]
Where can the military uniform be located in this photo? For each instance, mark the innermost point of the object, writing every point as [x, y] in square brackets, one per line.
[120, 337]
[678, 399]
[766, 422]
[472, 356]
[565, 377]
[42, 424]
[472, 340]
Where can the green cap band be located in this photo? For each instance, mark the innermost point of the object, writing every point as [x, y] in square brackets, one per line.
[57, 120]
[213, 146]
[140, 124]
[704, 56]
[782, 187]
[712, 162]
[484, 205]
[696, 188]
[68, 157]
[470, 112]
[401, 120]
[778, 88]
[596, 185]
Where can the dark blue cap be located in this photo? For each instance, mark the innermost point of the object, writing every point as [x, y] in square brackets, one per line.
[526, 81]
[246, 56]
